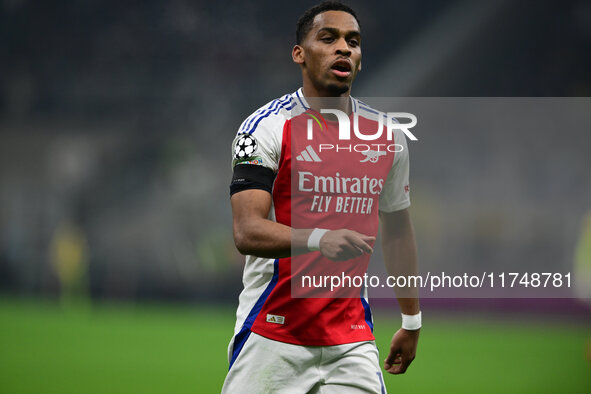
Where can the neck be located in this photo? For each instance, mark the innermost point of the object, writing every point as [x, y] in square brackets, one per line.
[317, 101]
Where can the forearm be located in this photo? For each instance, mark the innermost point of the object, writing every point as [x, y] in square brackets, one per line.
[256, 235]
[400, 257]
[265, 238]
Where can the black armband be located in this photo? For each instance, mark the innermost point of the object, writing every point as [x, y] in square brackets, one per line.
[249, 176]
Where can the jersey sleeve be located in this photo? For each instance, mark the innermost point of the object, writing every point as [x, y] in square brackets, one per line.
[256, 152]
[258, 143]
[395, 195]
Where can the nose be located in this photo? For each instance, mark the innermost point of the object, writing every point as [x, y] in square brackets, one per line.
[342, 47]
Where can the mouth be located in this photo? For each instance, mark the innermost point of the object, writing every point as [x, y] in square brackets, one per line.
[341, 68]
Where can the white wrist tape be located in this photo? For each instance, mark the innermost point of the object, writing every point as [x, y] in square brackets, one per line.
[314, 239]
[411, 322]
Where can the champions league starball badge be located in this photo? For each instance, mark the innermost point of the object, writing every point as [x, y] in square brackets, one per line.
[245, 147]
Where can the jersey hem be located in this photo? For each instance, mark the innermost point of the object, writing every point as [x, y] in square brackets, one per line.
[312, 342]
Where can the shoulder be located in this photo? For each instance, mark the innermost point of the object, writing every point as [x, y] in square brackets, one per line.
[365, 110]
[260, 137]
[271, 116]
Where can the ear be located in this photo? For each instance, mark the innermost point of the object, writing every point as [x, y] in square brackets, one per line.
[297, 54]
[359, 69]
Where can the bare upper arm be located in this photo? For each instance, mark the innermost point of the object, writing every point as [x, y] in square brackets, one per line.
[249, 208]
[250, 204]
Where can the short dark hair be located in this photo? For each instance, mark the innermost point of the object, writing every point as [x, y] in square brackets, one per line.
[305, 22]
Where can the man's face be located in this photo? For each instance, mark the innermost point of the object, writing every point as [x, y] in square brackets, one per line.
[331, 56]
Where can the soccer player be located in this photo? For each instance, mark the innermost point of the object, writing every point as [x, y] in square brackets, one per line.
[282, 181]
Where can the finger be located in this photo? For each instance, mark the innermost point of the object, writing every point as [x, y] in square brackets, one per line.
[354, 246]
[362, 245]
[348, 252]
[367, 238]
[403, 366]
[361, 249]
[391, 367]
[392, 359]
[366, 248]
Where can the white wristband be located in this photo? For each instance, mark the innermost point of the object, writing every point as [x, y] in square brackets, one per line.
[314, 239]
[411, 322]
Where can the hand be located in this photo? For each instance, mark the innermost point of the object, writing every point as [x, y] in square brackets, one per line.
[402, 351]
[340, 245]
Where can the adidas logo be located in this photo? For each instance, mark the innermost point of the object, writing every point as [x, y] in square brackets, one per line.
[308, 154]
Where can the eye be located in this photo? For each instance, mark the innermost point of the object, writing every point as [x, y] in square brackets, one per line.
[327, 39]
[354, 43]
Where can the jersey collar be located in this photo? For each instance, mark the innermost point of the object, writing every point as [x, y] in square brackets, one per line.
[301, 100]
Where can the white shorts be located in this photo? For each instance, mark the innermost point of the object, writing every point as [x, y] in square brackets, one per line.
[268, 366]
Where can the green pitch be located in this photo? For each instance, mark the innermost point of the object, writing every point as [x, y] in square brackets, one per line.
[121, 348]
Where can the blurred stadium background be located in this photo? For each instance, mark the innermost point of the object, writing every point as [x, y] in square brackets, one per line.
[117, 267]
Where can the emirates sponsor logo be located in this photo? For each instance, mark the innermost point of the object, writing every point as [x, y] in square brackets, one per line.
[308, 182]
[367, 188]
